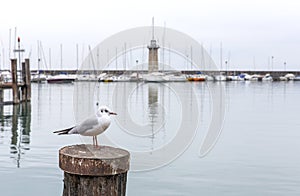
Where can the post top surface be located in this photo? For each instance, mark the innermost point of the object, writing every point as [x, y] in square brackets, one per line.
[86, 159]
[89, 151]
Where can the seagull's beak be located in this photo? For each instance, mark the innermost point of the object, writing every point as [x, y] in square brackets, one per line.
[112, 113]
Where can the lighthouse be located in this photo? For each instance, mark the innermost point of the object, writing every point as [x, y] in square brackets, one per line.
[153, 53]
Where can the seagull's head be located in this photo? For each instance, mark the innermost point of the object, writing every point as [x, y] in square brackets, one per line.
[105, 111]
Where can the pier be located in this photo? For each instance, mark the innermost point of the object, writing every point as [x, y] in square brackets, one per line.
[21, 90]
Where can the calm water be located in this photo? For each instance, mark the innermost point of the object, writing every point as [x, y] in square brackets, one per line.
[164, 126]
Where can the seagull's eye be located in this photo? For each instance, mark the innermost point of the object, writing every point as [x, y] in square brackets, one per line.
[106, 110]
[101, 111]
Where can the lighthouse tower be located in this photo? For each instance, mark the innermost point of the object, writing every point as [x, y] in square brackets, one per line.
[153, 53]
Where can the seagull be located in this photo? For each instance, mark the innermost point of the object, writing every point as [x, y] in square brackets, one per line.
[91, 126]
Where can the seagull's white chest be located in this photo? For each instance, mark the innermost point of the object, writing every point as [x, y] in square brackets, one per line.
[104, 123]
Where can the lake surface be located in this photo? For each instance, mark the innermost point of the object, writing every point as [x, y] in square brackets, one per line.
[234, 138]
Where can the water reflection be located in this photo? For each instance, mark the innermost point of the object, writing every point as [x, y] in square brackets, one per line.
[17, 120]
[156, 121]
[153, 109]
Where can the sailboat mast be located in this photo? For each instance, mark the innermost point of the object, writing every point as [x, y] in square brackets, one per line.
[163, 47]
[9, 50]
[221, 56]
[210, 53]
[3, 59]
[77, 55]
[116, 58]
[60, 56]
[191, 58]
[38, 54]
[202, 57]
[125, 56]
[49, 58]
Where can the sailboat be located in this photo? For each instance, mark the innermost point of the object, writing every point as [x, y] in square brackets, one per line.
[61, 78]
[196, 78]
[38, 76]
[155, 77]
[220, 77]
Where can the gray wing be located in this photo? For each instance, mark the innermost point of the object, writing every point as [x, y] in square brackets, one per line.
[87, 124]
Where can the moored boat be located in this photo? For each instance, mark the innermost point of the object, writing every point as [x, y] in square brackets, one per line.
[38, 77]
[155, 77]
[267, 77]
[61, 78]
[5, 76]
[220, 78]
[196, 78]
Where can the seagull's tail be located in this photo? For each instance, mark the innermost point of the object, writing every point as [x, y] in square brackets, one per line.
[64, 131]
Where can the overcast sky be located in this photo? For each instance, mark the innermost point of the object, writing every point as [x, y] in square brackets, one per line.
[250, 31]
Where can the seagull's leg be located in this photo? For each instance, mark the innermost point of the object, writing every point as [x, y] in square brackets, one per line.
[96, 141]
[93, 140]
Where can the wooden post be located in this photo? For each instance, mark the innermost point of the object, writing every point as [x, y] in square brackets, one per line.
[26, 121]
[91, 171]
[15, 89]
[1, 96]
[27, 80]
[23, 88]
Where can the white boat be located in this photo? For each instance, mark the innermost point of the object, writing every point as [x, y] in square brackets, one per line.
[267, 77]
[287, 77]
[101, 77]
[134, 77]
[209, 78]
[123, 78]
[297, 78]
[283, 78]
[256, 77]
[246, 76]
[155, 77]
[290, 76]
[175, 78]
[61, 78]
[220, 78]
[236, 78]
[86, 77]
[5, 76]
[38, 77]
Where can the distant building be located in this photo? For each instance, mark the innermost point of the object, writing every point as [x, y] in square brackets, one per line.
[153, 53]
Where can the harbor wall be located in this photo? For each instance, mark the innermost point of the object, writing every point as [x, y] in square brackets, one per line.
[119, 72]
